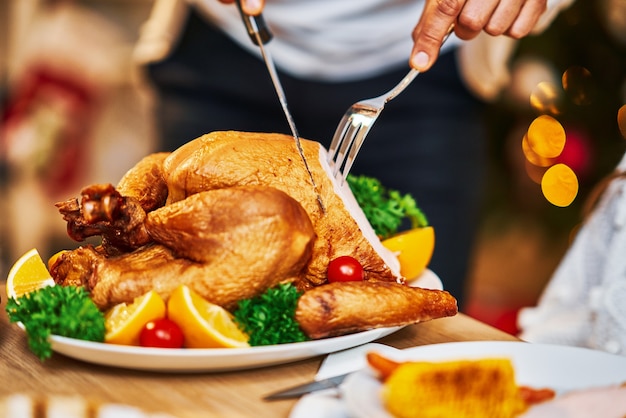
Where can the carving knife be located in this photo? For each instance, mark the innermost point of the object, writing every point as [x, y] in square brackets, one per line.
[260, 34]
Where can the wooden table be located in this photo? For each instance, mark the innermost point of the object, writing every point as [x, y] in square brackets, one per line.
[224, 394]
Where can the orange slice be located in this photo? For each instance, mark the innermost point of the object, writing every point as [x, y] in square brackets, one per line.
[124, 322]
[559, 185]
[204, 324]
[29, 273]
[414, 249]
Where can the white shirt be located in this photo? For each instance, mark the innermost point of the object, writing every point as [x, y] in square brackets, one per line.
[584, 302]
[332, 40]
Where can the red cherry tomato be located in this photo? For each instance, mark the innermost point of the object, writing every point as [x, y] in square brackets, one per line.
[163, 333]
[345, 269]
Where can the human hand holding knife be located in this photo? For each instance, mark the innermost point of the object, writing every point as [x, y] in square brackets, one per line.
[260, 35]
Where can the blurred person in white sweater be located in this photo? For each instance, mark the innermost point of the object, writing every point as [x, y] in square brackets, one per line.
[583, 303]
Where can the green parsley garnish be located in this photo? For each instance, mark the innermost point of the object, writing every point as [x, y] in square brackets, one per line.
[60, 310]
[270, 317]
[385, 209]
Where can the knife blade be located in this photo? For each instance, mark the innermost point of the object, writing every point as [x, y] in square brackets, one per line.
[297, 391]
[260, 34]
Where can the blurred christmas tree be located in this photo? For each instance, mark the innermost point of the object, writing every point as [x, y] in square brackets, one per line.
[583, 55]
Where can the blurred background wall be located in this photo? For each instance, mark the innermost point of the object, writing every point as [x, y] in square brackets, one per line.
[74, 112]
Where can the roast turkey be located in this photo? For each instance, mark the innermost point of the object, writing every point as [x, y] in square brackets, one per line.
[229, 214]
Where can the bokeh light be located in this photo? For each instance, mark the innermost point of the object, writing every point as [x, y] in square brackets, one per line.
[578, 152]
[546, 136]
[579, 85]
[559, 185]
[546, 98]
[534, 158]
[529, 72]
[614, 19]
[621, 120]
[553, 159]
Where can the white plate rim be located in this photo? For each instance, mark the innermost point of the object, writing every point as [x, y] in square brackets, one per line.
[207, 359]
[220, 359]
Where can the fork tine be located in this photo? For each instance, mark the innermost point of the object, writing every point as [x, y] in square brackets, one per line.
[340, 133]
[357, 142]
[351, 131]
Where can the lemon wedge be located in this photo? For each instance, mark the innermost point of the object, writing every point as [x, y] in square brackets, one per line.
[29, 273]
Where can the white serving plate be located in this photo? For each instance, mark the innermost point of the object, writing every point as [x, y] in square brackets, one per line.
[219, 359]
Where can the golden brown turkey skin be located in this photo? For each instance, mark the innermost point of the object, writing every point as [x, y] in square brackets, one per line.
[145, 182]
[248, 228]
[227, 245]
[226, 159]
[344, 307]
[77, 267]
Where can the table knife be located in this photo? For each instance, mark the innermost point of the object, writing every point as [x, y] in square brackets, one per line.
[260, 35]
[297, 391]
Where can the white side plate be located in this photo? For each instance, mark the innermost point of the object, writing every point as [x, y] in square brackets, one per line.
[560, 368]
